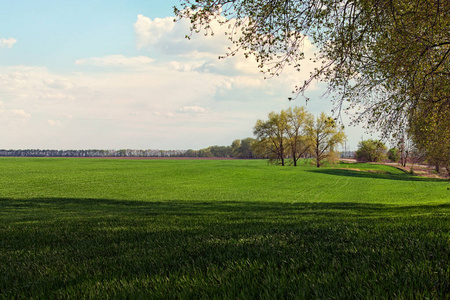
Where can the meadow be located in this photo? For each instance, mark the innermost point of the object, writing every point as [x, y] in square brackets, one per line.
[178, 229]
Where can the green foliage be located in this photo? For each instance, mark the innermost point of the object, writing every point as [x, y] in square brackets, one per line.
[205, 153]
[299, 142]
[430, 131]
[294, 133]
[393, 154]
[271, 136]
[220, 151]
[88, 228]
[243, 148]
[371, 151]
[238, 149]
[324, 135]
[389, 57]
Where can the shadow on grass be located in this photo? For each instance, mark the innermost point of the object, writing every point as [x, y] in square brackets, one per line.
[89, 248]
[195, 208]
[375, 175]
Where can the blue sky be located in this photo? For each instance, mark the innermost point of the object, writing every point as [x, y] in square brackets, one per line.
[120, 74]
[56, 33]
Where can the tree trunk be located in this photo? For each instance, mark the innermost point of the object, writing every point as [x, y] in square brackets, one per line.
[317, 158]
[281, 154]
[317, 141]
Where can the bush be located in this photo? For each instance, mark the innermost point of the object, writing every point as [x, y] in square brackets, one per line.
[393, 155]
[371, 151]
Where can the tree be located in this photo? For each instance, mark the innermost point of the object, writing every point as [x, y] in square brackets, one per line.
[388, 57]
[324, 135]
[297, 118]
[430, 131]
[220, 151]
[416, 156]
[271, 138]
[191, 153]
[393, 154]
[405, 146]
[371, 151]
[296, 132]
[246, 148]
[243, 148]
[235, 145]
[205, 153]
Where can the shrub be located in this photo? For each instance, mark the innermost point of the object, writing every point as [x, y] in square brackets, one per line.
[371, 151]
[393, 155]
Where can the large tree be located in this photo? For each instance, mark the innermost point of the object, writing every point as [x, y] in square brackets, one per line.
[324, 135]
[294, 132]
[386, 56]
[297, 118]
[430, 130]
[271, 136]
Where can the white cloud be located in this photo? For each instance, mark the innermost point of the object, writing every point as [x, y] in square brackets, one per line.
[128, 108]
[193, 109]
[185, 66]
[201, 53]
[65, 115]
[196, 55]
[20, 113]
[8, 43]
[59, 84]
[187, 98]
[22, 82]
[13, 121]
[169, 37]
[53, 123]
[115, 61]
[149, 32]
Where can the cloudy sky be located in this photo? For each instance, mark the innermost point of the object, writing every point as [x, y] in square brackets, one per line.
[120, 74]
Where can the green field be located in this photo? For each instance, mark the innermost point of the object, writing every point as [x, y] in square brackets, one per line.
[91, 228]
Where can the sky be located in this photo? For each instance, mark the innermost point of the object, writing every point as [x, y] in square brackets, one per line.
[118, 74]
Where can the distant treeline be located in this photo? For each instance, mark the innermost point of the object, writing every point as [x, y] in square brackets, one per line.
[238, 149]
[93, 153]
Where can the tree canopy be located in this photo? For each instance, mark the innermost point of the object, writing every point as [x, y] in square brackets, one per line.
[271, 136]
[324, 135]
[387, 57]
[295, 133]
[430, 131]
[298, 120]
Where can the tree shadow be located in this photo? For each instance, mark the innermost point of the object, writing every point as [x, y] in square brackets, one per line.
[239, 209]
[375, 175]
[226, 249]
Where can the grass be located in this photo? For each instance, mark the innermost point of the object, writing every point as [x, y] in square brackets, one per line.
[86, 228]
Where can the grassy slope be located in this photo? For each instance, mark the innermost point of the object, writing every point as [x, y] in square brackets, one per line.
[86, 228]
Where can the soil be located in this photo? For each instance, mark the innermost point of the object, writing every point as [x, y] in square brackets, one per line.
[419, 170]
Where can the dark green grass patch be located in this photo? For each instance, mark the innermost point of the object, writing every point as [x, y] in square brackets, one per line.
[219, 229]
